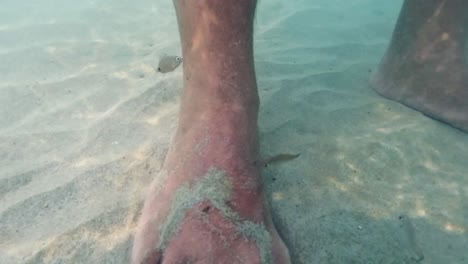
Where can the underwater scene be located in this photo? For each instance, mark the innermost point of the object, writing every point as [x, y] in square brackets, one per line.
[234, 131]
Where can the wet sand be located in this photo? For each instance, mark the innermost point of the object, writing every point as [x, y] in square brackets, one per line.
[85, 122]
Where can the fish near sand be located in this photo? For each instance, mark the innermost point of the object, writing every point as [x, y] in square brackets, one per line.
[278, 158]
[168, 63]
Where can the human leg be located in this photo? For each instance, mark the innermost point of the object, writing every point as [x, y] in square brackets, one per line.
[425, 65]
[207, 205]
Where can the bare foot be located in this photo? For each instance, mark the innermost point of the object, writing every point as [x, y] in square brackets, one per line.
[207, 205]
[424, 67]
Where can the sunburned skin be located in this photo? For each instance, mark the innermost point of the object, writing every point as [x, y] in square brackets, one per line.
[216, 190]
[410, 235]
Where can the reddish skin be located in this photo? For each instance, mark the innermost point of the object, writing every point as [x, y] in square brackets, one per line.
[424, 67]
[217, 128]
[218, 119]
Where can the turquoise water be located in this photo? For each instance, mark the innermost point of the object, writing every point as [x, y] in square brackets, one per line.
[86, 120]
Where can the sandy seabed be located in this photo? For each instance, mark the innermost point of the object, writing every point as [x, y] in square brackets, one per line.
[85, 123]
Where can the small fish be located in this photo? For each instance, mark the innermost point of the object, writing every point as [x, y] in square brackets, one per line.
[168, 63]
[278, 158]
[410, 236]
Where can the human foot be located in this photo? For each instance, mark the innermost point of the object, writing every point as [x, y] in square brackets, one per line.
[207, 205]
[424, 67]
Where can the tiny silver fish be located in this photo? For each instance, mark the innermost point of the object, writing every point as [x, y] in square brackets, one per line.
[168, 63]
[277, 158]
